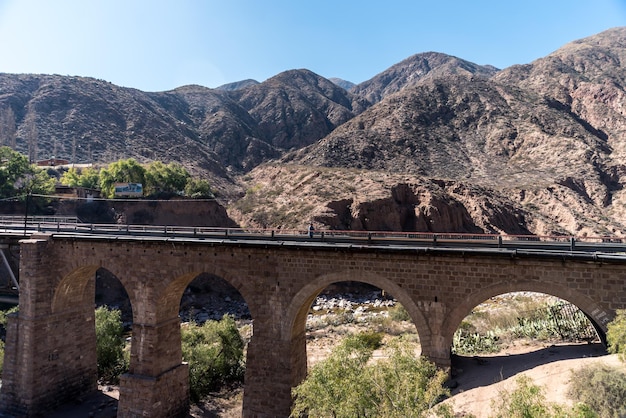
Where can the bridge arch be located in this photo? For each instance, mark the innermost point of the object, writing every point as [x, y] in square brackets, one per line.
[598, 315]
[294, 328]
[301, 302]
[168, 300]
[74, 286]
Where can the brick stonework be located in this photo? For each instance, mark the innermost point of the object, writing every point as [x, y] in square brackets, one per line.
[50, 350]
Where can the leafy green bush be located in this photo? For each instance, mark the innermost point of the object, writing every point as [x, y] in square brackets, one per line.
[111, 358]
[4, 314]
[601, 387]
[19, 177]
[369, 340]
[616, 334]
[87, 177]
[214, 352]
[348, 384]
[199, 189]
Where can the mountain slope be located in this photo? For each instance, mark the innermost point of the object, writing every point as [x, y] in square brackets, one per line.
[462, 128]
[414, 69]
[545, 140]
[212, 131]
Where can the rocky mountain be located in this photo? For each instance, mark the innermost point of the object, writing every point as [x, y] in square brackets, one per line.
[547, 138]
[237, 85]
[434, 143]
[413, 69]
[215, 132]
[344, 84]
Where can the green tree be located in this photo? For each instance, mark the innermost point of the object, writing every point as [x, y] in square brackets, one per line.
[214, 352]
[111, 358]
[13, 166]
[122, 171]
[198, 189]
[406, 385]
[616, 334]
[81, 177]
[20, 178]
[348, 384]
[165, 178]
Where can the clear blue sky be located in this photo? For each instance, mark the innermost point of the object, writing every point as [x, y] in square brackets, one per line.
[157, 45]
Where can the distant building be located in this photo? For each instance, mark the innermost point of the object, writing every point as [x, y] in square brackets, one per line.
[76, 192]
[52, 162]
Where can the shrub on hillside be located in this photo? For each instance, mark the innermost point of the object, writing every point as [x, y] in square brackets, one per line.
[214, 352]
[399, 313]
[528, 400]
[616, 334]
[601, 387]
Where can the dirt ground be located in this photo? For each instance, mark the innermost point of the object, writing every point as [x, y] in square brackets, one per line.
[480, 380]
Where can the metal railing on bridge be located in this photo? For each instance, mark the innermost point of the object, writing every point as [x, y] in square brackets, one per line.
[72, 225]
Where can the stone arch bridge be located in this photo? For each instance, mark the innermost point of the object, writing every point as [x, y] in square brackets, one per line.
[50, 355]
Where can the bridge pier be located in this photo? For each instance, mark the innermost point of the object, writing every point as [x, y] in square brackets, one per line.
[273, 367]
[165, 395]
[434, 346]
[157, 384]
[50, 353]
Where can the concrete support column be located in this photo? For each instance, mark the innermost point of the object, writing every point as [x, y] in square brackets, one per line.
[50, 355]
[438, 352]
[269, 377]
[435, 347]
[157, 384]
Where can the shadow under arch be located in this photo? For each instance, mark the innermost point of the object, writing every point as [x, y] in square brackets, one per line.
[78, 285]
[168, 302]
[581, 301]
[294, 328]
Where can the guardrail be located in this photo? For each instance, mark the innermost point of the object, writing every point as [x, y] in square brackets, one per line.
[71, 226]
[8, 219]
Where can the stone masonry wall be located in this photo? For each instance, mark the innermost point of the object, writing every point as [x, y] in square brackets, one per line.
[279, 283]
